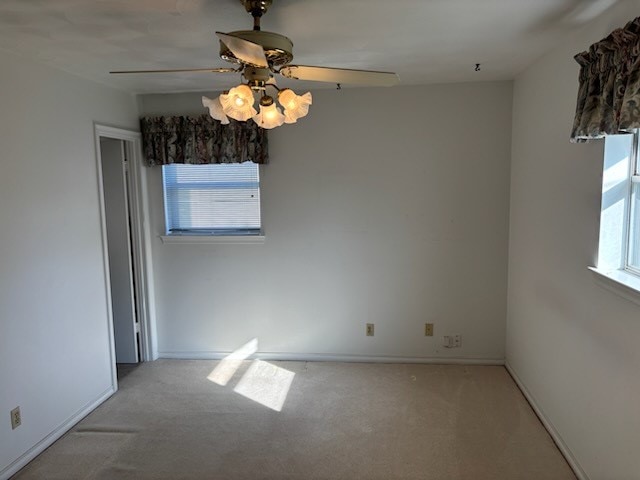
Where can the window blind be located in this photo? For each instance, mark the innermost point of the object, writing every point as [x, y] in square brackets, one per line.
[214, 199]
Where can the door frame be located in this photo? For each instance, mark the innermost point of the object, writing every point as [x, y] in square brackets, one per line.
[140, 240]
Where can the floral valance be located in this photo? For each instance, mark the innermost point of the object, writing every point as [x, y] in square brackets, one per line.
[609, 91]
[201, 140]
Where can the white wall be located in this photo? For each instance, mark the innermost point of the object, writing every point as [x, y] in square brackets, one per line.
[54, 349]
[573, 344]
[397, 220]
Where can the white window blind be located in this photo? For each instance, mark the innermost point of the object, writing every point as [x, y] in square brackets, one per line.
[217, 199]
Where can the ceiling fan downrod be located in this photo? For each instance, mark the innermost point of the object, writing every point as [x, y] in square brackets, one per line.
[256, 8]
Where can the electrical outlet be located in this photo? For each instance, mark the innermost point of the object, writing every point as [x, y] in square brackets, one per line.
[428, 329]
[16, 418]
[370, 329]
[452, 341]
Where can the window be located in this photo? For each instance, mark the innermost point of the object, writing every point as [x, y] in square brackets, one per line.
[217, 199]
[619, 248]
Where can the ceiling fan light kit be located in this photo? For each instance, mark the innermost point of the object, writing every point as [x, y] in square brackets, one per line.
[296, 106]
[270, 116]
[238, 103]
[260, 55]
[215, 109]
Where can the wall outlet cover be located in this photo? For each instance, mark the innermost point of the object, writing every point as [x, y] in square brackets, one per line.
[428, 329]
[16, 418]
[370, 329]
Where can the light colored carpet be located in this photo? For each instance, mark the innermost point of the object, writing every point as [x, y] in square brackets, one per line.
[338, 421]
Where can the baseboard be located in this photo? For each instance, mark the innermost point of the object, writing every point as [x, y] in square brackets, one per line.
[43, 444]
[555, 435]
[322, 357]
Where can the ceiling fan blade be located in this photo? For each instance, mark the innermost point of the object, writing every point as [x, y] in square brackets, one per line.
[340, 75]
[177, 70]
[244, 50]
[586, 10]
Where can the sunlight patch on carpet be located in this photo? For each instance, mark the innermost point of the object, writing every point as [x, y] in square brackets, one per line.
[230, 364]
[266, 384]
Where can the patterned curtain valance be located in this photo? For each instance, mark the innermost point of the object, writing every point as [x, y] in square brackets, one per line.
[609, 92]
[202, 140]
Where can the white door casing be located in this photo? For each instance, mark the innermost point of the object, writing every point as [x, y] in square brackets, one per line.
[141, 246]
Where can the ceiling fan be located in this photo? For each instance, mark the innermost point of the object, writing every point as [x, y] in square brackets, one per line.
[581, 12]
[259, 56]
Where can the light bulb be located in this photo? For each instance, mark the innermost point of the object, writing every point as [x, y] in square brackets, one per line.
[215, 109]
[238, 103]
[270, 113]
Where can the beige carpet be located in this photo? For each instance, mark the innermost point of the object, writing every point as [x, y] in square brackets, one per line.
[336, 421]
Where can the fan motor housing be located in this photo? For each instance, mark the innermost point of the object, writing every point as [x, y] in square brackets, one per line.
[277, 48]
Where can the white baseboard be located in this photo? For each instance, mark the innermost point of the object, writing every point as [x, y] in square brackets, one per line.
[43, 444]
[555, 435]
[323, 357]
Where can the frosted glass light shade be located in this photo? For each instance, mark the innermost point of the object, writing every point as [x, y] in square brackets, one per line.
[295, 106]
[215, 109]
[238, 103]
[269, 116]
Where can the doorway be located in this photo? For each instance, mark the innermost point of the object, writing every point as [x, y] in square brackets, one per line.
[116, 194]
[128, 275]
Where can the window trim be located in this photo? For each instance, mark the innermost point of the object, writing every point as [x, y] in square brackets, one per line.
[619, 282]
[633, 178]
[212, 239]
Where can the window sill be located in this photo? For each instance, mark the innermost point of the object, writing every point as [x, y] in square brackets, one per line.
[210, 239]
[619, 282]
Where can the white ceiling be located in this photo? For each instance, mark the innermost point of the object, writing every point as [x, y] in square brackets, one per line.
[424, 41]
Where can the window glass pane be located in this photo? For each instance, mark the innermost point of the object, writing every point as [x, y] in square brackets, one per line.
[221, 198]
[618, 153]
